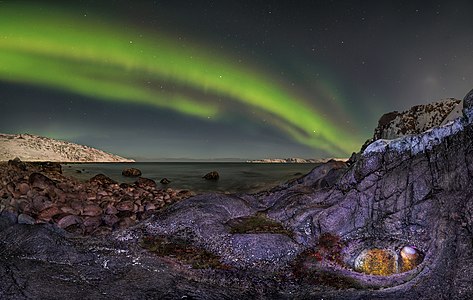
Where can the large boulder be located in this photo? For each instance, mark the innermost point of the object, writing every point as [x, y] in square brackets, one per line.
[211, 176]
[101, 179]
[131, 172]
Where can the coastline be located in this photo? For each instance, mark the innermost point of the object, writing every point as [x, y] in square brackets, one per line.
[39, 193]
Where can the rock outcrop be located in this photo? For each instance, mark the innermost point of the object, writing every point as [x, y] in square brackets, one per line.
[28, 147]
[417, 119]
[397, 223]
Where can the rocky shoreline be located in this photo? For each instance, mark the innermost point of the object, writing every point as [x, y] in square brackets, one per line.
[37, 193]
[394, 222]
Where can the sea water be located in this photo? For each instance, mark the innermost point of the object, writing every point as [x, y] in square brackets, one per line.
[234, 177]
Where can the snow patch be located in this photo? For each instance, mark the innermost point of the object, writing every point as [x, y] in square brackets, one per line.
[416, 143]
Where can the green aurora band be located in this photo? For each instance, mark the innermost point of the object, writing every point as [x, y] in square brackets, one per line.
[56, 49]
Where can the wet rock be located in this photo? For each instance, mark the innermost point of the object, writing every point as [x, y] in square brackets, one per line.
[70, 210]
[101, 179]
[48, 213]
[125, 206]
[41, 203]
[23, 205]
[110, 220]
[92, 210]
[25, 219]
[211, 176]
[11, 187]
[131, 172]
[150, 206]
[68, 220]
[165, 181]
[23, 188]
[38, 180]
[92, 223]
[145, 183]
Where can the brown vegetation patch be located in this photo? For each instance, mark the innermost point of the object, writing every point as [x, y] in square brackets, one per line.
[257, 224]
[183, 251]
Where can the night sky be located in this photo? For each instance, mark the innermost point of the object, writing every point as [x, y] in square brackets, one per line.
[226, 79]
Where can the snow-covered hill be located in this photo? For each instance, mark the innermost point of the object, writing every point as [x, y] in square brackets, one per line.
[294, 160]
[417, 119]
[29, 147]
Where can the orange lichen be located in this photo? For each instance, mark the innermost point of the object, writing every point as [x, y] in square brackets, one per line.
[377, 262]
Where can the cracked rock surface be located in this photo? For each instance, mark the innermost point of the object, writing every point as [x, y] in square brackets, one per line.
[414, 191]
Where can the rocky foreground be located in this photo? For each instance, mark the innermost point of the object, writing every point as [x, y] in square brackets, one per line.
[30, 147]
[38, 193]
[394, 222]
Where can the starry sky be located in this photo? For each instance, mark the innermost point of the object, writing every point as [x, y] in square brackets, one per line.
[157, 80]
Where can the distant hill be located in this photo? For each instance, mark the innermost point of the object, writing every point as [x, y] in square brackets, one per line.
[293, 160]
[29, 147]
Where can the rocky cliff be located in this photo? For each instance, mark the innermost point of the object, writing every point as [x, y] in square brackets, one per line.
[29, 147]
[397, 223]
[417, 119]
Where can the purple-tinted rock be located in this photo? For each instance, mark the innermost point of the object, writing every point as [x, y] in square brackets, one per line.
[145, 183]
[38, 180]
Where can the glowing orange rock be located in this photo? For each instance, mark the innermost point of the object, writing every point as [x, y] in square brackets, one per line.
[377, 262]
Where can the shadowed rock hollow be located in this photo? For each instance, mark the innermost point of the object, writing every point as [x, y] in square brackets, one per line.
[395, 224]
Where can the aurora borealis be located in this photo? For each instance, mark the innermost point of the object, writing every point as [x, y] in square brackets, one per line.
[119, 60]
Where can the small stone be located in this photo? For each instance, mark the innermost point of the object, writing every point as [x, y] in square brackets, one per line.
[70, 210]
[40, 203]
[40, 181]
[125, 206]
[23, 188]
[145, 183]
[25, 219]
[150, 206]
[111, 210]
[211, 176]
[48, 213]
[110, 220]
[91, 210]
[68, 220]
[101, 179]
[410, 257]
[165, 181]
[92, 222]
